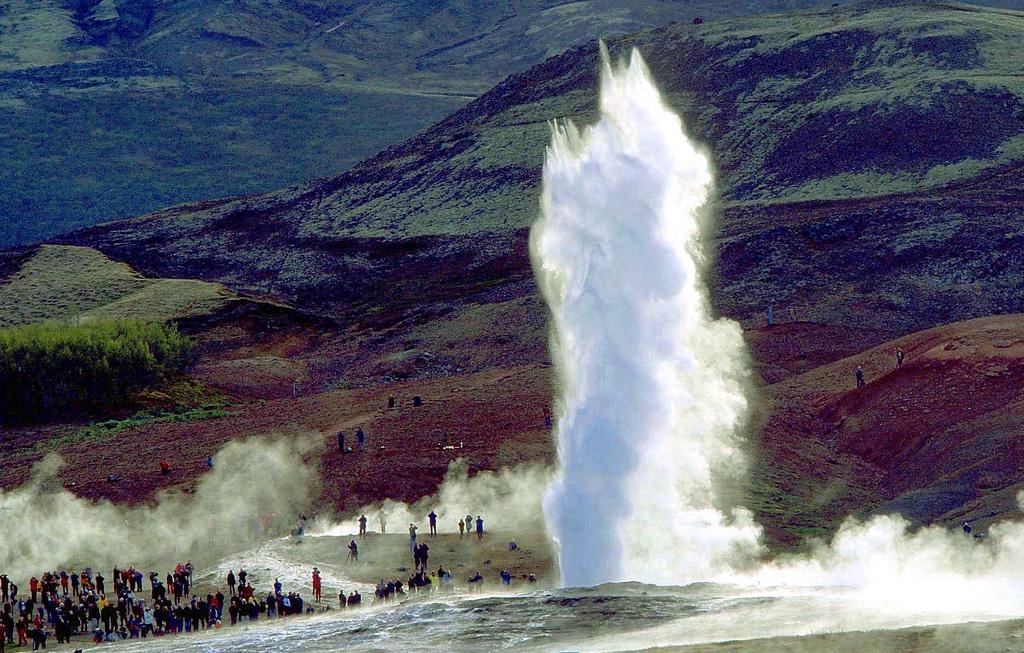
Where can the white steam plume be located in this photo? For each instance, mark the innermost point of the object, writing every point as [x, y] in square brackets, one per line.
[652, 395]
[508, 500]
[652, 388]
[255, 483]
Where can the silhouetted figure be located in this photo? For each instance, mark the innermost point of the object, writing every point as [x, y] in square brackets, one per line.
[341, 441]
[362, 526]
[433, 522]
[899, 357]
[967, 528]
[417, 401]
[392, 401]
[860, 377]
[360, 437]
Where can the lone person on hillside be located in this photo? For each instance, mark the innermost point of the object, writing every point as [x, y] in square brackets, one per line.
[967, 528]
[360, 437]
[899, 357]
[362, 526]
[433, 522]
[860, 377]
[341, 441]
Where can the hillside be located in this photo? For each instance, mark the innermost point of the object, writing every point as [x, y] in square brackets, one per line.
[936, 439]
[878, 197]
[118, 107]
[927, 241]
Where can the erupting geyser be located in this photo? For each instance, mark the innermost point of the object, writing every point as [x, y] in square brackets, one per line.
[651, 387]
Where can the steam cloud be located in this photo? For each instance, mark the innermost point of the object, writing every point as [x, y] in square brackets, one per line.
[45, 526]
[509, 501]
[652, 387]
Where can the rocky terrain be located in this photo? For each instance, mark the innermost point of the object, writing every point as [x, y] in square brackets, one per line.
[874, 202]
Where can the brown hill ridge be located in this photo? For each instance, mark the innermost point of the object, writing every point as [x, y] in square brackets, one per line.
[936, 439]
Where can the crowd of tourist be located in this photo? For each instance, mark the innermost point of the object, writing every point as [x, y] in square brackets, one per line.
[72, 604]
[63, 605]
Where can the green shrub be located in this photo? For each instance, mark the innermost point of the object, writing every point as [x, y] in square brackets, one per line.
[55, 370]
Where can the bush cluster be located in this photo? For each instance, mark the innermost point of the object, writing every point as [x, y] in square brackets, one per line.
[57, 370]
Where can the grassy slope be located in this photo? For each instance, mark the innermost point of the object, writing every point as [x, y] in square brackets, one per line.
[76, 283]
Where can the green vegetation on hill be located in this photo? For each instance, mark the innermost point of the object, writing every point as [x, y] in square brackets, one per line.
[49, 369]
[77, 283]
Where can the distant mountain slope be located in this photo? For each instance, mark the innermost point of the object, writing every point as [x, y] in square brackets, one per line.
[881, 189]
[113, 108]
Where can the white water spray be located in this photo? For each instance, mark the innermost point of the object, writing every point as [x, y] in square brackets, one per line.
[652, 388]
[652, 395]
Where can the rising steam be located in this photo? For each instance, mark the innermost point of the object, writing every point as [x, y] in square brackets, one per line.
[652, 388]
[257, 487]
[509, 501]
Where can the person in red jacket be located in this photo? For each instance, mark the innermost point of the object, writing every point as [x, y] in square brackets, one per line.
[33, 588]
[316, 584]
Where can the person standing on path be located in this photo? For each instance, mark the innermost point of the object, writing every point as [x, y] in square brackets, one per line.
[479, 528]
[899, 357]
[433, 522]
[360, 437]
[362, 526]
[860, 377]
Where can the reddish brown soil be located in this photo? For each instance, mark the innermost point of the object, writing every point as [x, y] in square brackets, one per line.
[937, 438]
